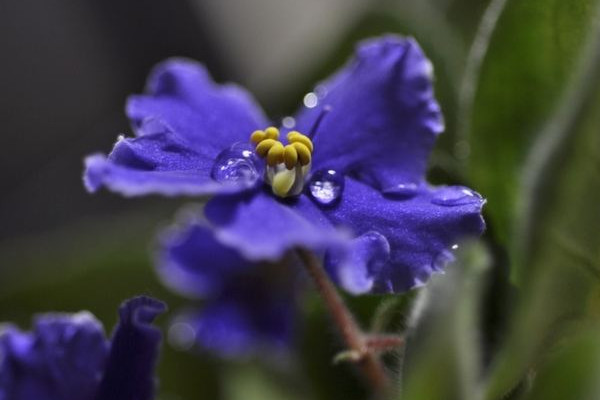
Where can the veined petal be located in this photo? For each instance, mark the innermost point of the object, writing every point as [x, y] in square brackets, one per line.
[401, 242]
[383, 119]
[261, 227]
[133, 354]
[157, 163]
[206, 115]
[182, 123]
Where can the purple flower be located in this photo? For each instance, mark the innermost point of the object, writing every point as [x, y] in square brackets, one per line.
[354, 162]
[66, 356]
[249, 307]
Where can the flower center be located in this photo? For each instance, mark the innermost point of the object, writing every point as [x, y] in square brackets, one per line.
[287, 165]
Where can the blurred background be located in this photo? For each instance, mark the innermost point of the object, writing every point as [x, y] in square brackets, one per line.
[503, 71]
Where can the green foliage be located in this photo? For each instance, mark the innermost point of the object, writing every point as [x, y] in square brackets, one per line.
[532, 55]
[558, 240]
[444, 342]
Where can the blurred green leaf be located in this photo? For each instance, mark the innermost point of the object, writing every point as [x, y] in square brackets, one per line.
[533, 51]
[443, 352]
[558, 239]
[247, 382]
[320, 343]
[572, 372]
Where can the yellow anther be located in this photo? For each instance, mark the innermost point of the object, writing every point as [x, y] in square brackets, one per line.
[257, 136]
[297, 152]
[297, 137]
[263, 147]
[272, 133]
[283, 182]
[275, 154]
[303, 153]
[290, 156]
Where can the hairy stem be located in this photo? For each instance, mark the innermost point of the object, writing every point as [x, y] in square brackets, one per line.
[377, 343]
[351, 333]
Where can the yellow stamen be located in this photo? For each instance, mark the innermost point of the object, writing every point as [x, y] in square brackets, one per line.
[272, 133]
[283, 182]
[257, 137]
[297, 137]
[275, 154]
[264, 146]
[303, 153]
[290, 156]
[287, 166]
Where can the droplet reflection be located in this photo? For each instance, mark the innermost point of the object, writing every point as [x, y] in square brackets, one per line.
[239, 163]
[326, 186]
[451, 197]
[310, 100]
[288, 122]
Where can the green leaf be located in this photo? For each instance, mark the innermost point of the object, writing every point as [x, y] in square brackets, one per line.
[559, 245]
[572, 372]
[532, 53]
[443, 355]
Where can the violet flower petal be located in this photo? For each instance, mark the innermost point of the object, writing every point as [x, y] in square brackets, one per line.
[129, 373]
[261, 227]
[420, 232]
[183, 122]
[62, 359]
[191, 261]
[384, 118]
[248, 307]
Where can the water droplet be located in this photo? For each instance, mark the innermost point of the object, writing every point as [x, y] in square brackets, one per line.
[239, 163]
[182, 336]
[407, 189]
[454, 246]
[326, 186]
[451, 197]
[310, 100]
[288, 122]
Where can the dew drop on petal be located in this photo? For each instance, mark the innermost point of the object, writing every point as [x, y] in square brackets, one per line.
[288, 122]
[326, 186]
[455, 197]
[404, 190]
[310, 100]
[238, 163]
[181, 336]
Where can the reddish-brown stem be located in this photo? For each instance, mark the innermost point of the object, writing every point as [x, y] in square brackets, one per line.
[378, 343]
[351, 333]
